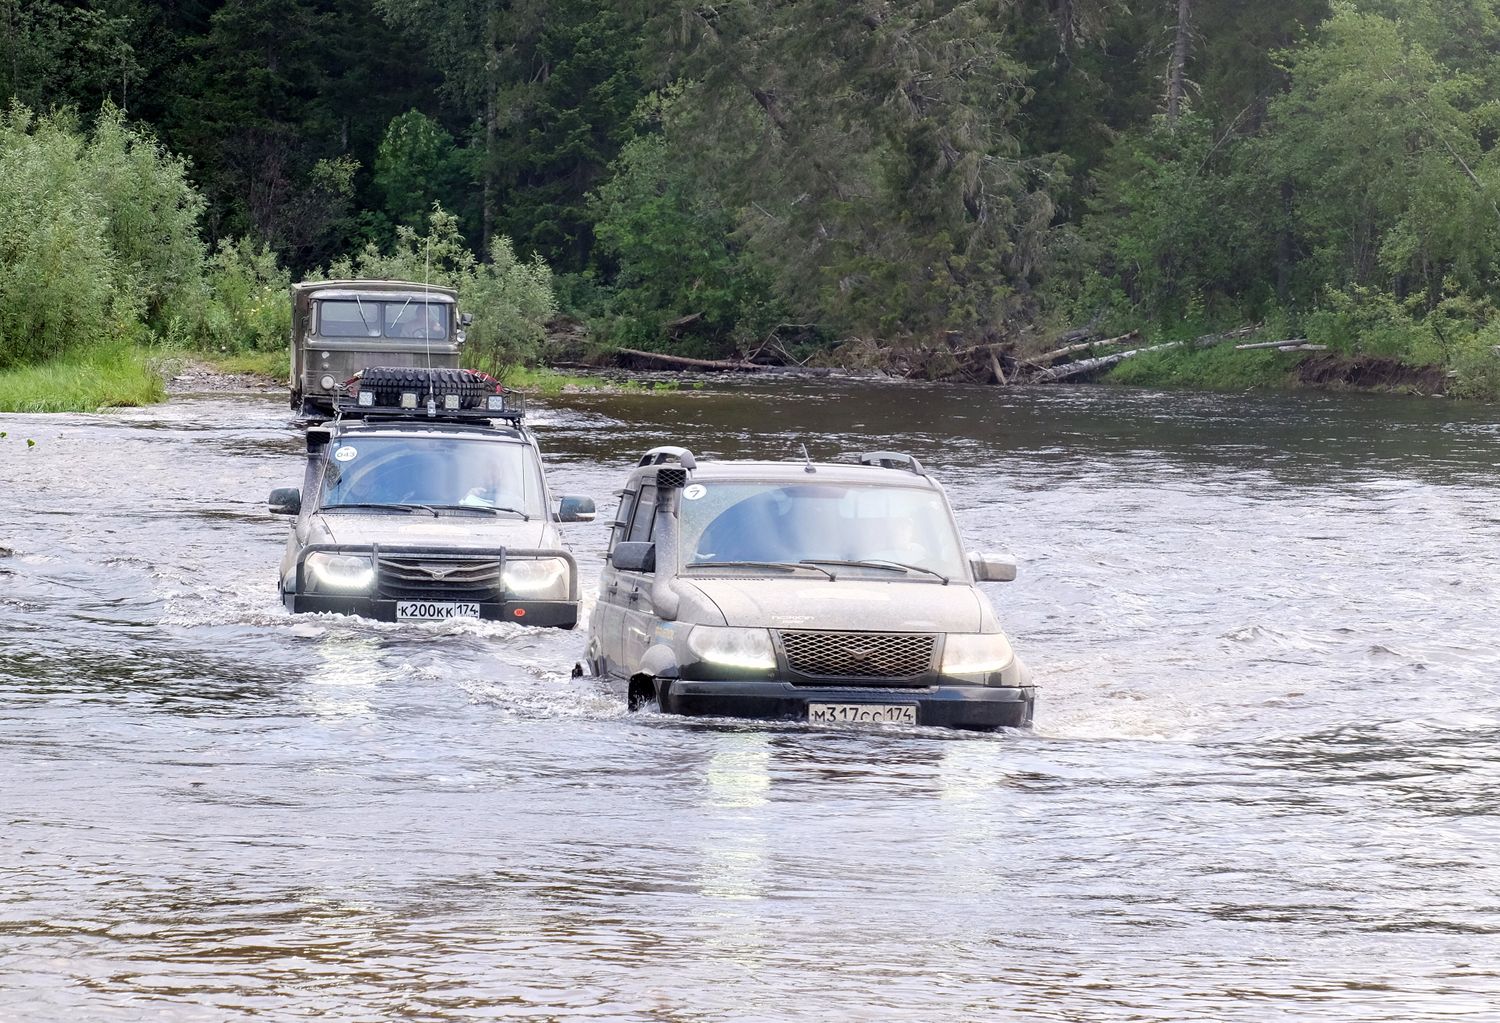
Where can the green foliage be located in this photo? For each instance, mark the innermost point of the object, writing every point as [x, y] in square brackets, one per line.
[1180, 223]
[1220, 368]
[416, 165]
[152, 215]
[676, 257]
[83, 380]
[869, 158]
[247, 308]
[61, 284]
[511, 299]
[1390, 154]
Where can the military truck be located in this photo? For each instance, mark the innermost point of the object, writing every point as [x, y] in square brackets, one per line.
[342, 327]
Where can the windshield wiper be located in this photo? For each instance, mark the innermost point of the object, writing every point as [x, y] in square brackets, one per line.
[405, 509]
[785, 566]
[890, 566]
[484, 509]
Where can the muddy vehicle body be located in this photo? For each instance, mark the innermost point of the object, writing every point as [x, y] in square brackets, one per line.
[827, 593]
[342, 327]
[426, 510]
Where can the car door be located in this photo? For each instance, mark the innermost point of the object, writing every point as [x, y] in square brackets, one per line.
[606, 627]
[637, 617]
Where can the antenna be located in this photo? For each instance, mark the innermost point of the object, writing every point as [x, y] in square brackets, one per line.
[426, 301]
[809, 467]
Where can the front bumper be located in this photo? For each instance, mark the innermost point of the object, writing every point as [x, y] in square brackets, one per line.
[545, 613]
[382, 604]
[950, 706]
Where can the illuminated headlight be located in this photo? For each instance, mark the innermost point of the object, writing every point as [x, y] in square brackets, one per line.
[450, 402]
[328, 382]
[537, 579]
[976, 654]
[366, 399]
[408, 399]
[343, 573]
[495, 403]
[744, 649]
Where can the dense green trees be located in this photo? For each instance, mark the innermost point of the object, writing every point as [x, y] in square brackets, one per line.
[939, 172]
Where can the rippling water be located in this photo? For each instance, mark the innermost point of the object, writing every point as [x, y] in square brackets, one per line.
[1264, 783]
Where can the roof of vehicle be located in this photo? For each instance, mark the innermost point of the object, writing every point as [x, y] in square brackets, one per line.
[795, 471]
[412, 426]
[363, 289]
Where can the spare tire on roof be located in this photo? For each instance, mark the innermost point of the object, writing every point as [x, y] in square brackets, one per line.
[389, 382]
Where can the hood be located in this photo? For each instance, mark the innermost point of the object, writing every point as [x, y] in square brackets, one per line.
[861, 605]
[422, 529]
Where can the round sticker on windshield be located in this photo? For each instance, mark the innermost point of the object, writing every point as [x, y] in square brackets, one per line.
[345, 453]
[694, 492]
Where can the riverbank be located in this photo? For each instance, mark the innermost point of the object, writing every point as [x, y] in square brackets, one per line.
[121, 376]
[107, 377]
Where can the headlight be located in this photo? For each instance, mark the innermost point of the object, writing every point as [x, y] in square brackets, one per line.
[537, 579]
[975, 654]
[745, 649]
[346, 573]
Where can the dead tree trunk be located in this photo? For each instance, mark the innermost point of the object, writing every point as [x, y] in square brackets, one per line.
[1177, 69]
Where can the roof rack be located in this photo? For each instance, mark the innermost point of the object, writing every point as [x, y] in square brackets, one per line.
[682, 456]
[892, 460]
[409, 393]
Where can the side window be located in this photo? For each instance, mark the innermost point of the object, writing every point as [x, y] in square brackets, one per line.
[645, 514]
[622, 518]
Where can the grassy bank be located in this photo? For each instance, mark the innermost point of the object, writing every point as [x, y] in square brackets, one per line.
[105, 377]
[1210, 369]
[274, 366]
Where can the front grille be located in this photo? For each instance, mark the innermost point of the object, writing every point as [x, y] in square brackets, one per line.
[858, 654]
[419, 578]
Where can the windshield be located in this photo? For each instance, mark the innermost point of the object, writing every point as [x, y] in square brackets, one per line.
[433, 471]
[406, 318]
[790, 523]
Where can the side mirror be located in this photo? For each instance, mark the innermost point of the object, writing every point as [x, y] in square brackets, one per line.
[993, 568]
[634, 556]
[285, 501]
[571, 508]
[466, 319]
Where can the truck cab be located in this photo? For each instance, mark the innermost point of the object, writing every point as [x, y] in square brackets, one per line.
[342, 327]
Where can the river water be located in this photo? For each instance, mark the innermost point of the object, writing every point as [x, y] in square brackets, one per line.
[1263, 784]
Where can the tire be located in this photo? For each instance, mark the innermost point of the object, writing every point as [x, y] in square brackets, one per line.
[389, 383]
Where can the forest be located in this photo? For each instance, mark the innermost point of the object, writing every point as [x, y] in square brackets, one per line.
[908, 183]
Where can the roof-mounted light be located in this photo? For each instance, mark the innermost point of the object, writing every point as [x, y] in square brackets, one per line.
[366, 399]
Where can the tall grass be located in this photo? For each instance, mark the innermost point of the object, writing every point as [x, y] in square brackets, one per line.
[83, 380]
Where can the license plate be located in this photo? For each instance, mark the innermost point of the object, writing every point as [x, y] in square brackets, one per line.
[431, 611]
[861, 713]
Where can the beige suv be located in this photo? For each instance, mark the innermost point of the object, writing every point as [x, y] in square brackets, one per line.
[827, 593]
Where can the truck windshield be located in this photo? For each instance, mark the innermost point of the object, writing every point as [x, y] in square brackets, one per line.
[407, 318]
[437, 472]
[789, 523]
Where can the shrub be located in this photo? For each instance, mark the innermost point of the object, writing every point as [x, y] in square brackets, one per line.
[511, 299]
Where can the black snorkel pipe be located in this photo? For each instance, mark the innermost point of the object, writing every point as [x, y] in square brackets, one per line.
[664, 598]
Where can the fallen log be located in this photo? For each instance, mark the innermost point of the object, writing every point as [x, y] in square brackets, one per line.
[682, 361]
[1272, 344]
[1085, 346]
[1084, 367]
